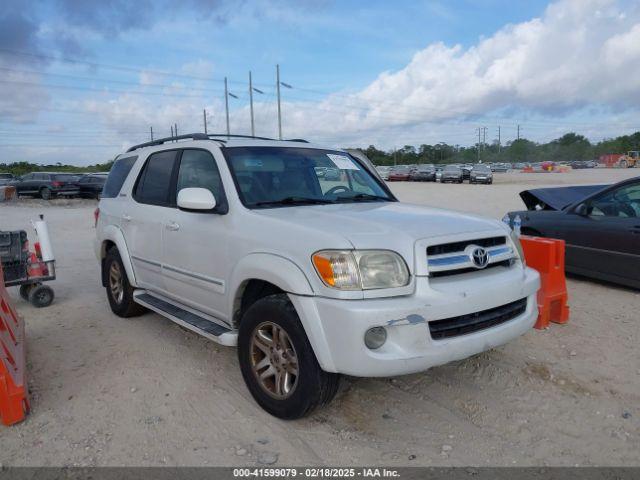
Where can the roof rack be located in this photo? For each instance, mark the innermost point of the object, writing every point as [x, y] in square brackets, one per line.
[160, 141]
[216, 135]
[204, 136]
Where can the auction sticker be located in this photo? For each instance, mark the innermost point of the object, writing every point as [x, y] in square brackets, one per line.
[342, 162]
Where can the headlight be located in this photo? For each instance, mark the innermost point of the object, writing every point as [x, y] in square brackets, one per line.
[518, 245]
[361, 269]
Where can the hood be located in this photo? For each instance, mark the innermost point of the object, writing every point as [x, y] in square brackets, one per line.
[557, 198]
[391, 225]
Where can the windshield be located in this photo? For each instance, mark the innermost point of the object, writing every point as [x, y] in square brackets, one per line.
[269, 177]
[452, 168]
[426, 168]
[481, 168]
[401, 168]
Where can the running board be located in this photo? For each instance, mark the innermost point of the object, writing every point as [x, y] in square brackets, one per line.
[187, 318]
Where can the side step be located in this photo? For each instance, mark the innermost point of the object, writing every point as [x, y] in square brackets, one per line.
[187, 318]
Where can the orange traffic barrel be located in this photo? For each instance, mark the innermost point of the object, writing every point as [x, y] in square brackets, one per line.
[546, 255]
[14, 400]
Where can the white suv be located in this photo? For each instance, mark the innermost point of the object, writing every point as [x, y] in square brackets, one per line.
[244, 241]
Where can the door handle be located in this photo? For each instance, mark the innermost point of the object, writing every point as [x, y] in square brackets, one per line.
[126, 218]
[635, 229]
[173, 226]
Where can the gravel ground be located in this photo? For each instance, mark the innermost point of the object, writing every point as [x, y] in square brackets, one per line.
[110, 391]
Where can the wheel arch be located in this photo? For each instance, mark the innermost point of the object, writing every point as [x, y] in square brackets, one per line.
[260, 274]
[113, 238]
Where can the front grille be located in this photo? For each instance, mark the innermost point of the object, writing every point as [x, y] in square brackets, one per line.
[460, 246]
[474, 322]
[449, 273]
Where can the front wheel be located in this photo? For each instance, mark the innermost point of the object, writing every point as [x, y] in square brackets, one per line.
[277, 361]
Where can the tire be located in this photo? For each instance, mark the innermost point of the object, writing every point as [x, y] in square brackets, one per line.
[310, 388]
[41, 296]
[45, 193]
[24, 291]
[119, 290]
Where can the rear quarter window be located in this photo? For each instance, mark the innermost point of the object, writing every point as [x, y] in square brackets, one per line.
[117, 176]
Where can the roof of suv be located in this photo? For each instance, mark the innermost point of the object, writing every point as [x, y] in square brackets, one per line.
[222, 140]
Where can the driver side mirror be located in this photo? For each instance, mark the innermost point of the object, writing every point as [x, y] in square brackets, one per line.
[582, 210]
[199, 199]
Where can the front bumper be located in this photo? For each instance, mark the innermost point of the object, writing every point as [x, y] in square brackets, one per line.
[336, 328]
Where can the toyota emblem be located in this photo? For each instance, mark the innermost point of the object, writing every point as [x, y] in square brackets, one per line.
[479, 257]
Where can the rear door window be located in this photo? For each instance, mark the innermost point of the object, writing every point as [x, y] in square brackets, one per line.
[154, 182]
[117, 176]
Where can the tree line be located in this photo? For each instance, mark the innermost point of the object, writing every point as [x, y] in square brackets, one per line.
[569, 147]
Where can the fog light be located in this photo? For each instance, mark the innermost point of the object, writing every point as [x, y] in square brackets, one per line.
[375, 337]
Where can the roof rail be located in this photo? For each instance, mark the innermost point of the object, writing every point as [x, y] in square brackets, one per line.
[204, 136]
[160, 141]
[216, 135]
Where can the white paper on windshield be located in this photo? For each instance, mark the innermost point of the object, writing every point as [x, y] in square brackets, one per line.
[342, 162]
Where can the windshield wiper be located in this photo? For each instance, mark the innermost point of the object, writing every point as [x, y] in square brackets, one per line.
[364, 196]
[294, 201]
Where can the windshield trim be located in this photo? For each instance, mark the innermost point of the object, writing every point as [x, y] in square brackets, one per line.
[374, 176]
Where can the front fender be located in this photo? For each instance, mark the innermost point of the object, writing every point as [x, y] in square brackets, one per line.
[272, 268]
[114, 234]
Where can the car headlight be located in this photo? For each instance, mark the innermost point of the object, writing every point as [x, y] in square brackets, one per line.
[361, 269]
[517, 244]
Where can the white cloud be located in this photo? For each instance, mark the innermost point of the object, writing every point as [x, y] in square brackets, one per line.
[579, 53]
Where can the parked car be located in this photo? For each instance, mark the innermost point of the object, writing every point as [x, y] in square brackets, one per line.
[91, 185]
[384, 172]
[451, 173]
[600, 225]
[466, 171]
[438, 173]
[481, 173]
[308, 278]
[423, 173]
[6, 178]
[399, 173]
[47, 185]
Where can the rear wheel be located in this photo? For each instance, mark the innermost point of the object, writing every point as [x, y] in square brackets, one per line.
[277, 361]
[45, 193]
[119, 290]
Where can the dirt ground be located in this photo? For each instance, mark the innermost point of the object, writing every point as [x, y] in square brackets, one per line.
[110, 391]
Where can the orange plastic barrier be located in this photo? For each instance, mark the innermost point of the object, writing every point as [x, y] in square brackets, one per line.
[14, 401]
[546, 255]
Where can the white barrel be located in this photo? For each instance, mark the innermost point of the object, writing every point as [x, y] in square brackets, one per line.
[45, 242]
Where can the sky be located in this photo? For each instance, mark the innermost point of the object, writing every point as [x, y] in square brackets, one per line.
[82, 80]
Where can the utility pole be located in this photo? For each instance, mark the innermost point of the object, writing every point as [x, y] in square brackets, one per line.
[175, 128]
[204, 117]
[479, 145]
[151, 132]
[253, 127]
[499, 145]
[172, 135]
[518, 131]
[226, 103]
[279, 109]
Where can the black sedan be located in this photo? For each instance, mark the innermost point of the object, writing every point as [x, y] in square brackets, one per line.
[600, 225]
[91, 185]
